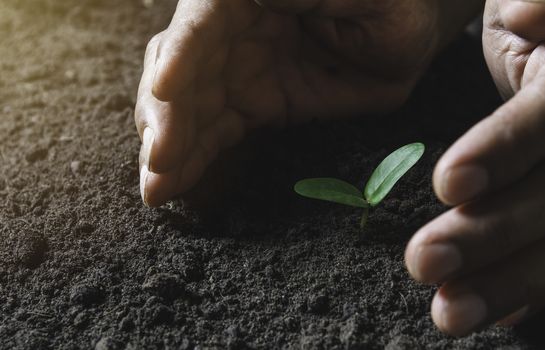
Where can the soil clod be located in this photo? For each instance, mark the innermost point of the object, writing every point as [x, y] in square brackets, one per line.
[164, 285]
[86, 295]
[318, 304]
[31, 249]
[36, 155]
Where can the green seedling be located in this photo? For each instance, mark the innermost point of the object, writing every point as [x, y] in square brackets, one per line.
[381, 182]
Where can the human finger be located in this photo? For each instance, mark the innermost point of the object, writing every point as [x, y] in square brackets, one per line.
[198, 29]
[525, 18]
[480, 233]
[498, 151]
[166, 128]
[515, 287]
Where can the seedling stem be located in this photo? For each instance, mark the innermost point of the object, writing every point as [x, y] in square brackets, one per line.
[364, 217]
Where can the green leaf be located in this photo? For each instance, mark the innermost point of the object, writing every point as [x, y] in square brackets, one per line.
[392, 168]
[331, 190]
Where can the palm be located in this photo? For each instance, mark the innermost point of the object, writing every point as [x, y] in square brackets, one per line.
[241, 66]
[294, 67]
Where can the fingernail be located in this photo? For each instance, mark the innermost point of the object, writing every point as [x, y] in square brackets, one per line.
[434, 262]
[144, 172]
[463, 183]
[148, 139]
[515, 318]
[459, 315]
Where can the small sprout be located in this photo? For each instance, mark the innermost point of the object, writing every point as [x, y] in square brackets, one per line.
[381, 182]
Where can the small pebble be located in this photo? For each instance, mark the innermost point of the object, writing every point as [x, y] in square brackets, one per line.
[107, 343]
[402, 342]
[81, 320]
[75, 167]
[148, 3]
[70, 75]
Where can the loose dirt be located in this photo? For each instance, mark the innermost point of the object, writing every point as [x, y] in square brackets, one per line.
[83, 264]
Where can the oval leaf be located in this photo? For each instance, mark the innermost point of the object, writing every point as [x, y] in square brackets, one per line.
[390, 170]
[331, 190]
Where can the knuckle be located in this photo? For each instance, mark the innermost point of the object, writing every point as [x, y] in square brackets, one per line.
[138, 111]
[507, 128]
[139, 119]
[155, 40]
[153, 44]
[501, 235]
[193, 28]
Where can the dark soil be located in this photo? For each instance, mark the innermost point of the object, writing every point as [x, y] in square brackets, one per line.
[83, 264]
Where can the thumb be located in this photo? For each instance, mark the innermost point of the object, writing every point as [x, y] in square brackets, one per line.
[524, 18]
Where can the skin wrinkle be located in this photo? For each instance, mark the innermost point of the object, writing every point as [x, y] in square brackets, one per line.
[504, 240]
[514, 49]
[519, 61]
[478, 230]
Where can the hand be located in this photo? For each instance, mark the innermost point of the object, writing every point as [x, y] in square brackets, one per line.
[223, 68]
[489, 250]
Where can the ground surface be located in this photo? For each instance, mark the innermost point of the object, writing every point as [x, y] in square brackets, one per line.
[83, 264]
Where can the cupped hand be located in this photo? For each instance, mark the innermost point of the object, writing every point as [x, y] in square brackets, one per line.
[223, 68]
[488, 252]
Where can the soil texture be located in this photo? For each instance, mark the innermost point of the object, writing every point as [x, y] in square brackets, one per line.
[83, 264]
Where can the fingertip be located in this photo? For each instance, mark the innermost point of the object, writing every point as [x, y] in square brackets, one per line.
[455, 184]
[150, 192]
[410, 256]
[437, 181]
[430, 260]
[157, 189]
[439, 307]
[457, 312]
